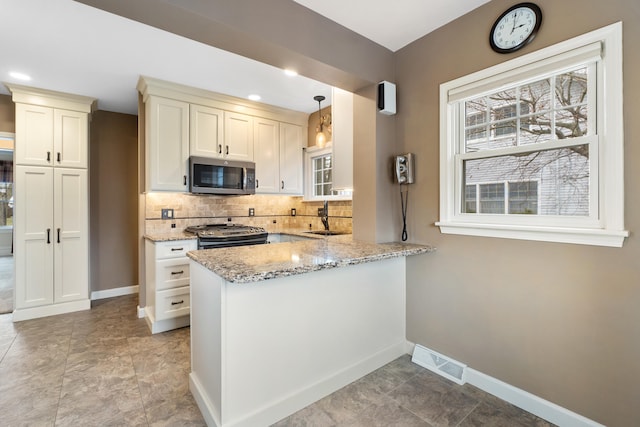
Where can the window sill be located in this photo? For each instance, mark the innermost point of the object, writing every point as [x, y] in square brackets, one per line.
[580, 236]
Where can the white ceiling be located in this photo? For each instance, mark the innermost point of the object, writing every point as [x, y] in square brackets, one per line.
[392, 24]
[71, 47]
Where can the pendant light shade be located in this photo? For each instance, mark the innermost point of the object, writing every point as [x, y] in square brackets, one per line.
[321, 138]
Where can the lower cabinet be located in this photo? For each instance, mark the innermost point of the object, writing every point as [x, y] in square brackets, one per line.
[167, 284]
[51, 241]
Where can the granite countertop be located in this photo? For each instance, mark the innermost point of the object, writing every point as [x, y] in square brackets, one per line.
[168, 237]
[247, 264]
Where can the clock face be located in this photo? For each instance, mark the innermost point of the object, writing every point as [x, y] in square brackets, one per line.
[515, 28]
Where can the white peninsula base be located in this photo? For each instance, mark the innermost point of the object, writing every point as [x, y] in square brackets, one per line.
[262, 351]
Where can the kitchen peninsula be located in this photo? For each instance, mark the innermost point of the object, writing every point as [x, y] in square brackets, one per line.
[277, 327]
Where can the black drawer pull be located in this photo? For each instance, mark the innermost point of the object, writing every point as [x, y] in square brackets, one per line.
[59, 157]
[48, 156]
[176, 249]
[176, 303]
[177, 272]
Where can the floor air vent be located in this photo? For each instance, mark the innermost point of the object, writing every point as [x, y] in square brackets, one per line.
[441, 365]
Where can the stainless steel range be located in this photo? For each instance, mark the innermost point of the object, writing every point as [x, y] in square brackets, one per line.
[224, 235]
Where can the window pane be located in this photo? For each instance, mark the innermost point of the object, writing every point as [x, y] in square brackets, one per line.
[571, 122]
[537, 96]
[318, 190]
[571, 88]
[562, 176]
[535, 129]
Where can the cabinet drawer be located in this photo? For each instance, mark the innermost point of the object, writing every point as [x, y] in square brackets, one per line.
[172, 303]
[175, 248]
[172, 273]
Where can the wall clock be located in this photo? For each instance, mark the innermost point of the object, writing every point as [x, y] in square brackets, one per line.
[515, 28]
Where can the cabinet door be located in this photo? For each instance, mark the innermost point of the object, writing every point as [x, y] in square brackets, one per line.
[206, 127]
[33, 213]
[266, 155]
[291, 159]
[70, 138]
[34, 135]
[238, 137]
[70, 237]
[167, 126]
[342, 116]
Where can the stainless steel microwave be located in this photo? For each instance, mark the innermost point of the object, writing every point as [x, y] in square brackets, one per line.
[220, 176]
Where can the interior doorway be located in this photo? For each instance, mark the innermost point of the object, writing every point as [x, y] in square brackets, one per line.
[7, 283]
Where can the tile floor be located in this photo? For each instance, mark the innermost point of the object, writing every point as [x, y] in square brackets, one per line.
[102, 367]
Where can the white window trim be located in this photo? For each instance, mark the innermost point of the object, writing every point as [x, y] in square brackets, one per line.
[310, 153]
[610, 160]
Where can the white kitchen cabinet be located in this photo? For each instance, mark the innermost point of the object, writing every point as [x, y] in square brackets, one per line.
[291, 160]
[206, 131]
[48, 136]
[51, 243]
[278, 157]
[342, 145]
[167, 284]
[167, 144]
[51, 207]
[267, 155]
[238, 137]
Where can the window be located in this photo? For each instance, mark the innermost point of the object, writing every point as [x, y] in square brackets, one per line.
[319, 176]
[527, 151]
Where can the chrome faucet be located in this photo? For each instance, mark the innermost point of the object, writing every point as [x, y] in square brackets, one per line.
[325, 215]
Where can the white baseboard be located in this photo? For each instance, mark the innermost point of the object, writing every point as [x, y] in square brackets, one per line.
[50, 310]
[542, 408]
[114, 292]
[529, 402]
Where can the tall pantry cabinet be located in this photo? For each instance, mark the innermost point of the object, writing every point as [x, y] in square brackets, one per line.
[51, 207]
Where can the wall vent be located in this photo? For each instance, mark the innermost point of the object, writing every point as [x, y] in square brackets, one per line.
[441, 365]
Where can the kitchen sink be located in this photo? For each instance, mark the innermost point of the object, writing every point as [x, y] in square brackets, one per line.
[326, 232]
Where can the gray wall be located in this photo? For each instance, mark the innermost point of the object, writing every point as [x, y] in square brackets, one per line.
[113, 170]
[560, 321]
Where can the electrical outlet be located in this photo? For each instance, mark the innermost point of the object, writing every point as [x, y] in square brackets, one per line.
[252, 212]
[320, 211]
[293, 211]
[173, 226]
[167, 213]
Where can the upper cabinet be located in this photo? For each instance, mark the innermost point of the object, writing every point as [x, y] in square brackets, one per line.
[342, 116]
[182, 121]
[167, 144]
[278, 157]
[206, 127]
[291, 158]
[47, 135]
[238, 137]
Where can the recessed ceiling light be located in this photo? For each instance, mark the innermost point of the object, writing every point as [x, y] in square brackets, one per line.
[291, 73]
[20, 76]
[255, 97]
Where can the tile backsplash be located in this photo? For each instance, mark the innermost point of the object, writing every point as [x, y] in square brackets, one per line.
[273, 212]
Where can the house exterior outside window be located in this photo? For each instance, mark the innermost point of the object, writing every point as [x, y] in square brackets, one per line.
[527, 150]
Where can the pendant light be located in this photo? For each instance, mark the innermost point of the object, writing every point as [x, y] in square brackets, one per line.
[321, 139]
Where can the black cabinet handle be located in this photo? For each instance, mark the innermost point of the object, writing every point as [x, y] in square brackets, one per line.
[184, 179]
[176, 249]
[219, 148]
[58, 235]
[282, 186]
[227, 153]
[257, 183]
[176, 303]
[59, 157]
[48, 156]
[48, 235]
[177, 272]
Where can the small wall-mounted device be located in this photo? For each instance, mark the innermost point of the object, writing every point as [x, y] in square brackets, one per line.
[404, 168]
[387, 98]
